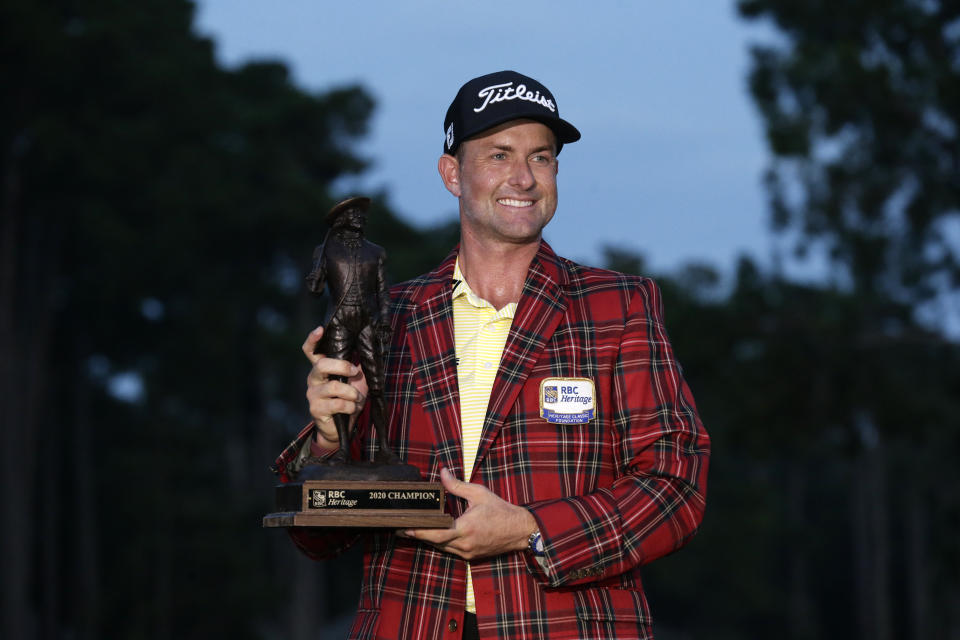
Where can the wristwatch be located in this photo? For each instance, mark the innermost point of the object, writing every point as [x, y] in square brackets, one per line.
[535, 543]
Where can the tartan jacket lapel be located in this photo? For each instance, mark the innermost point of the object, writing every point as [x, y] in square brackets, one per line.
[541, 307]
[434, 359]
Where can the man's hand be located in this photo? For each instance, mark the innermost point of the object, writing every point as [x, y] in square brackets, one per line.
[327, 397]
[490, 525]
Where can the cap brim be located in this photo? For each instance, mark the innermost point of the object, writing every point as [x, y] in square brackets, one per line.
[563, 130]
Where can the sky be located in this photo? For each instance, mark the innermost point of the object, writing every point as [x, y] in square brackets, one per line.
[672, 153]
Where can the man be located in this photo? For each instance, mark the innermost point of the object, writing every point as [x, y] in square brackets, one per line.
[544, 395]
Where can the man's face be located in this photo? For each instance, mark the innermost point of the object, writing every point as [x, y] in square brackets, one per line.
[506, 181]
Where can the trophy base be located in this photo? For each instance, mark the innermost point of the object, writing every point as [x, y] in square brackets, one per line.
[398, 520]
[347, 503]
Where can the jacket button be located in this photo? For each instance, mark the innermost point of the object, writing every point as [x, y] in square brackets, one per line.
[452, 625]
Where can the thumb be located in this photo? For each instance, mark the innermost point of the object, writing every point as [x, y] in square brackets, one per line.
[310, 344]
[457, 487]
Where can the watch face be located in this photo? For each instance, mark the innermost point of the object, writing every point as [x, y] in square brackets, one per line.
[536, 544]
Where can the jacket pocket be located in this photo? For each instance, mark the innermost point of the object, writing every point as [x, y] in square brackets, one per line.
[613, 613]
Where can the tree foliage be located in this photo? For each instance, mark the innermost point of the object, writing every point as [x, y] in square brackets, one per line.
[861, 101]
[159, 213]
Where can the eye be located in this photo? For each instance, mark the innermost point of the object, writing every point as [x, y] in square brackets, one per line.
[500, 155]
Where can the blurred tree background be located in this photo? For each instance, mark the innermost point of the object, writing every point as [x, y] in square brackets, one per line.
[158, 215]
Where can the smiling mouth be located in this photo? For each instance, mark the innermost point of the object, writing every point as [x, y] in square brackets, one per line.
[510, 202]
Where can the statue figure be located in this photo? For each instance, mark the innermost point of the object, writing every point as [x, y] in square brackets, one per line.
[352, 269]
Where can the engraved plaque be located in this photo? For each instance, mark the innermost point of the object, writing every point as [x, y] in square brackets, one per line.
[332, 503]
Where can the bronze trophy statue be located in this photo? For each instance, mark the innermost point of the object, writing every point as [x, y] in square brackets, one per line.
[352, 268]
[338, 490]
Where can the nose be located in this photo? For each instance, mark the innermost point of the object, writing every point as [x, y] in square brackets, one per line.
[521, 175]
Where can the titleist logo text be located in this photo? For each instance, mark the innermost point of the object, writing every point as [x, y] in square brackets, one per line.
[502, 92]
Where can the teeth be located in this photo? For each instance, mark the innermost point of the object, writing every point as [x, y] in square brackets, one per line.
[515, 203]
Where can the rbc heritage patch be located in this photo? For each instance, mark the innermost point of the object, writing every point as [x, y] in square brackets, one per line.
[570, 400]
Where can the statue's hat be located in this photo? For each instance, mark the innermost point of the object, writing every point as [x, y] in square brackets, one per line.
[359, 202]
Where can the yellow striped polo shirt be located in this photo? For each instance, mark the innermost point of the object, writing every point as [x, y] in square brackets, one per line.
[480, 332]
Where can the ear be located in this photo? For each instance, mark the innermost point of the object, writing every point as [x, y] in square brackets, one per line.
[449, 169]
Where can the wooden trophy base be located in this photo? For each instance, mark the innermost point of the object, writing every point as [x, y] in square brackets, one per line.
[348, 503]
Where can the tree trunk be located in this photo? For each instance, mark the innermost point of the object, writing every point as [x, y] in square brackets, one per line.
[84, 474]
[803, 622]
[51, 524]
[871, 549]
[918, 573]
[26, 277]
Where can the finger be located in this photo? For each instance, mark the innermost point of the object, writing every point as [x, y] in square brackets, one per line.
[323, 407]
[332, 396]
[320, 387]
[323, 368]
[311, 343]
[437, 537]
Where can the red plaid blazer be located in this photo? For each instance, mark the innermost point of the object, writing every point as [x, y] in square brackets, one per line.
[609, 495]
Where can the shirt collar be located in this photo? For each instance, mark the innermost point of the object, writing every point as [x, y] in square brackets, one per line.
[461, 288]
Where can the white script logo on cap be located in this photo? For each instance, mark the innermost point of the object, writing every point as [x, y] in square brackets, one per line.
[501, 92]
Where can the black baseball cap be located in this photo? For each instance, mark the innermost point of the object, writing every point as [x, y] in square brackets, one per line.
[491, 100]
